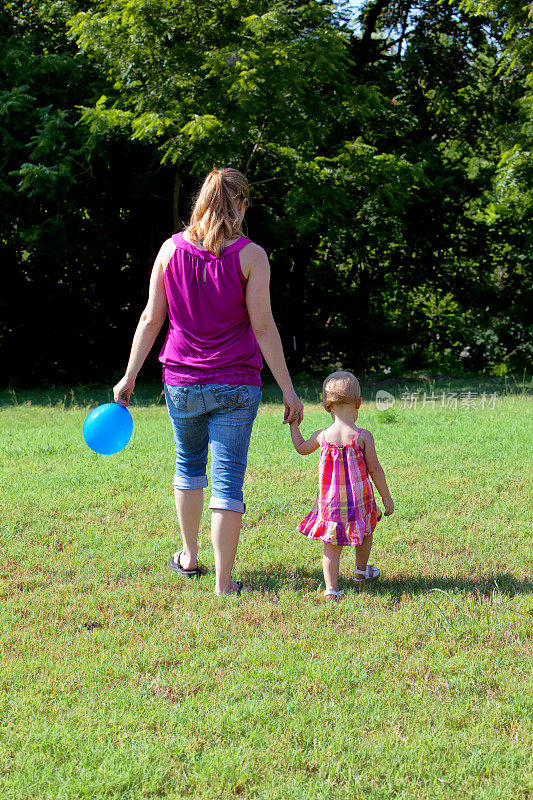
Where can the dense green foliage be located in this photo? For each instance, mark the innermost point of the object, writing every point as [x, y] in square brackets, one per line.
[390, 164]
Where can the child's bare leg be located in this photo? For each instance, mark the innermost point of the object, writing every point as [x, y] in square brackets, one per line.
[330, 565]
[362, 552]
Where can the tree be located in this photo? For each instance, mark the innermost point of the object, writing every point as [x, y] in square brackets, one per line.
[255, 85]
[389, 168]
[70, 207]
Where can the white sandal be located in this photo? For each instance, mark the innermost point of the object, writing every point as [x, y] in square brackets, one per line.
[363, 575]
[331, 594]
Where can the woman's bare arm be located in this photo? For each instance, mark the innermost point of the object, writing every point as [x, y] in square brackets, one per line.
[257, 271]
[150, 323]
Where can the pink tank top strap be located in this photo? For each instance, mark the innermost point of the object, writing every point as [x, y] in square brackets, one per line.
[356, 438]
[182, 244]
[238, 245]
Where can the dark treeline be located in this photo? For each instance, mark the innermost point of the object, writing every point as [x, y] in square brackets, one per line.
[389, 158]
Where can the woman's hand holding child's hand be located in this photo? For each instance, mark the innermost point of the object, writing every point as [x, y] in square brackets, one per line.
[294, 408]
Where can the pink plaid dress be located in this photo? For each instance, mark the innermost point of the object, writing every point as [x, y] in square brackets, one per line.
[345, 510]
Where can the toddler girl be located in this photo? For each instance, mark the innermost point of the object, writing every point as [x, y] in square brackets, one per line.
[345, 512]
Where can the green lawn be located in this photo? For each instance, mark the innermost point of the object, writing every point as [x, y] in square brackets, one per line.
[121, 681]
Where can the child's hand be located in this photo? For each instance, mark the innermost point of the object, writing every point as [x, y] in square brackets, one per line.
[388, 502]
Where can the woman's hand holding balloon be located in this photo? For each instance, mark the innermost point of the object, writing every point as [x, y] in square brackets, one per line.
[125, 387]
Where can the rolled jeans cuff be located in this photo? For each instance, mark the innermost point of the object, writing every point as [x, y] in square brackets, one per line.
[190, 482]
[227, 504]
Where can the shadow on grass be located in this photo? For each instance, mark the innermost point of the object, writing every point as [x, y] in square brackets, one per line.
[501, 582]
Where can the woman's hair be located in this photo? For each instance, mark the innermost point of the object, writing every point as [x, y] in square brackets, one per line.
[340, 387]
[216, 214]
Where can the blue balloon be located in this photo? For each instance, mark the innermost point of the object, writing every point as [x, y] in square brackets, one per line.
[108, 428]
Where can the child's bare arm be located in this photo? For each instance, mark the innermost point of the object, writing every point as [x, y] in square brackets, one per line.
[304, 447]
[375, 470]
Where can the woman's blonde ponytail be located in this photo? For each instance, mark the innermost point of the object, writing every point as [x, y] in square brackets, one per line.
[216, 216]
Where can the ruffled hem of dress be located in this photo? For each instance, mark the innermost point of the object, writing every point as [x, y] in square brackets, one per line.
[339, 533]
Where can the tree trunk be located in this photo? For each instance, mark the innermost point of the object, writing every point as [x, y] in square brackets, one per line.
[371, 18]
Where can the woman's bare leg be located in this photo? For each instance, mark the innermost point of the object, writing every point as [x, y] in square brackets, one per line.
[189, 507]
[225, 532]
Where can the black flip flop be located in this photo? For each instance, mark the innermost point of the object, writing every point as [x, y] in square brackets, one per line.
[188, 573]
[241, 588]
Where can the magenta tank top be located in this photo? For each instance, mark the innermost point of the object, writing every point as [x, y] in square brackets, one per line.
[210, 337]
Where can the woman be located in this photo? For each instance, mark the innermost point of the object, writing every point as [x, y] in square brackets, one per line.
[214, 284]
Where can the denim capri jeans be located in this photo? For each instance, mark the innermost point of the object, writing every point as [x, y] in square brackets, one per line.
[219, 415]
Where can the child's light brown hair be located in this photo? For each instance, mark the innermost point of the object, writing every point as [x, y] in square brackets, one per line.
[340, 387]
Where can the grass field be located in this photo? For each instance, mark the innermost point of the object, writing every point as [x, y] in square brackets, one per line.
[121, 681]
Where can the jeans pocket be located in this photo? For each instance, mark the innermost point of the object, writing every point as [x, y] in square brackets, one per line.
[230, 398]
[178, 397]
